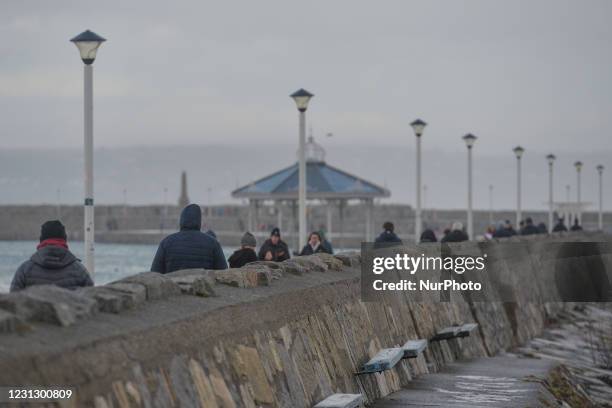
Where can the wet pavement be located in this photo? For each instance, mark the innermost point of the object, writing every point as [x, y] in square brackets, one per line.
[485, 382]
[581, 342]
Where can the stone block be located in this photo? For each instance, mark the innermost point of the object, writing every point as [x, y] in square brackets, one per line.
[350, 259]
[333, 263]
[134, 293]
[412, 348]
[8, 322]
[108, 301]
[311, 262]
[244, 277]
[157, 285]
[466, 329]
[276, 273]
[447, 333]
[294, 268]
[269, 264]
[341, 401]
[197, 285]
[50, 304]
[386, 359]
[191, 272]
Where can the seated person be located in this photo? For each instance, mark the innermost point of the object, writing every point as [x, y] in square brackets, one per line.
[274, 249]
[52, 263]
[314, 245]
[246, 253]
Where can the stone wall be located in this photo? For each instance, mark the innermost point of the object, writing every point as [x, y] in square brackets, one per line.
[149, 224]
[265, 335]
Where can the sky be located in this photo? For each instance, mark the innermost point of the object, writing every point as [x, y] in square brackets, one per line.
[535, 73]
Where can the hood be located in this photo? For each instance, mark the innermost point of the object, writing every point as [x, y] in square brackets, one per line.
[191, 218]
[53, 257]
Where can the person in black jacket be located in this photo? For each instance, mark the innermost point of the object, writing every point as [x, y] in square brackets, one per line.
[388, 235]
[274, 249]
[246, 253]
[560, 226]
[457, 234]
[576, 226]
[189, 248]
[314, 245]
[53, 263]
[428, 236]
[326, 243]
[542, 228]
[502, 231]
[529, 228]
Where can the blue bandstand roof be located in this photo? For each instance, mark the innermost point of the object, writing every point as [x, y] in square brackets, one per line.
[322, 182]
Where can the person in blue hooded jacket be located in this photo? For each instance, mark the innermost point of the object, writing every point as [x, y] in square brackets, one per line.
[388, 235]
[189, 248]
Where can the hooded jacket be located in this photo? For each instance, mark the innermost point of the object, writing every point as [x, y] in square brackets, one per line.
[189, 248]
[428, 236]
[388, 236]
[530, 229]
[51, 265]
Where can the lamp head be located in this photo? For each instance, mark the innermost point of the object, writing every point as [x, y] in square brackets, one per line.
[578, 165]
[469, 140]
[301, 98]
[518, 151]
[88, 43]
[418, 126]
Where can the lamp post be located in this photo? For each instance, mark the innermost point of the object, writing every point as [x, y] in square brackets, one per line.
[578, 166]
[600, 169]
[518, 152]
[469, 140]
[491, 204]
[551, 160]
[418, 126]
[301, 98]
[88, 43]
[165, 216]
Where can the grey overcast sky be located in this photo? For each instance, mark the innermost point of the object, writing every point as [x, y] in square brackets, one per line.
[536, 73]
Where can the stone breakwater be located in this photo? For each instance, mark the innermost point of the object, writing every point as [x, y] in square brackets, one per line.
[266, 335]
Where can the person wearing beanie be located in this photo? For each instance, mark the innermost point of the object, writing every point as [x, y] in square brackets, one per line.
[190, 248]
[388, 235]
[274, 249]
[52, 263]
[246, 253]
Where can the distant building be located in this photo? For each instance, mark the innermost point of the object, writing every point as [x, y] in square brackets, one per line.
[183, 200]
[329, 185]
[570, 211]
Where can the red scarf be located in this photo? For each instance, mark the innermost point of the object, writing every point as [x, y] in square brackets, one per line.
[53, 242]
